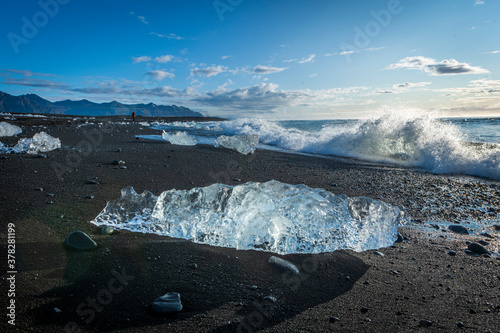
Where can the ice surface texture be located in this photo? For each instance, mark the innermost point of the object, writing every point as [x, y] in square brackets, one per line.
[244, 144]
[40, 143]
[7, 129]
[179, 138]
[270, 216]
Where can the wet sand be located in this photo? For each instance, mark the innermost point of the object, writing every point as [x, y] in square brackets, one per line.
[110, 289]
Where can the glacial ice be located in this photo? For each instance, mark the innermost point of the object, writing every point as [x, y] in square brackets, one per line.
[270, 216]
[7, 129]
[179, 138]
[40, 143]
[244, 144]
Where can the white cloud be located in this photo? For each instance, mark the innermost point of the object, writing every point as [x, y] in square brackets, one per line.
[208, 71]
[259, 69]
[168, 36]
[444, 67]
[225, 57]
[408, 85]
[310, 58]
[143, 19]
[481, 87]
[164, 58]
[141, 59]
[492, 52]
[479, 2]
[160, 74]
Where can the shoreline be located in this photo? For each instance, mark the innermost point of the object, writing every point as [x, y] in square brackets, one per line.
[414, 280]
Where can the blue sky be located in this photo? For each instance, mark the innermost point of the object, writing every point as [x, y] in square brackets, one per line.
[275, 59]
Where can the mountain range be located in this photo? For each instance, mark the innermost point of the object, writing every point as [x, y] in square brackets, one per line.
[32, 103]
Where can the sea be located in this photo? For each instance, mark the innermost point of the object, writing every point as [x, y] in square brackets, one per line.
[464, 146]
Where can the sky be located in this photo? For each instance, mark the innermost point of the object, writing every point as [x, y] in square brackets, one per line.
[279, 59]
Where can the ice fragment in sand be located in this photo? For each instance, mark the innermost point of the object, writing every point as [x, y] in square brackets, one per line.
[7, 129]
[179, 138]
[270, 216]
[283, 265]
[79, 240]
[244, 144]
[168, 303]
[41, 142]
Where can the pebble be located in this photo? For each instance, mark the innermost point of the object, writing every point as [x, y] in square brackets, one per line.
[39, 189]
[93, 182]
[483, 242]
[56, 309]
[476, 248]
[193, 265]
[399, 239]
[334, 320]
[118, 162]
[123, 167]
[460, 324]
[364, 309]
[60, 216]
[270, 299]
[107, 230]
[425, 323]
[119, 150]
[458, 229]
[377, 253]
[283, 265]
[168, 303]
[89, 197]
[79, 240]
[41, 156]
[452, 253]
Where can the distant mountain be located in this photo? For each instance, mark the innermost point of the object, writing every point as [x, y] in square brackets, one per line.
[32, 103]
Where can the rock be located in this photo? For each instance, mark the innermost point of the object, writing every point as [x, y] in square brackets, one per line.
[79, 240]
[107, 230]
[93, 182]
[119, 150]
[89, 197]
[364, 309]
[460, 324]
[452, 253]
[270, 299]
[253, 287]
[483, 242]
[425, 323]
[368, 320]
[458, 229]
[56, 309]
[399, 239]
[193, 265]
[476, 248]
[377, 253]
[39, 189]
[118, 162]
[123, 167]
[41, 156]
[168, 303]
[283, 265]
[334, 320]
[60, 216]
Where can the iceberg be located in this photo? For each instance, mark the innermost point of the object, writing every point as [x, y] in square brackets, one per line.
[270, 216]
[179, 138]
[40, 143]
[244, 144]
[7, 129]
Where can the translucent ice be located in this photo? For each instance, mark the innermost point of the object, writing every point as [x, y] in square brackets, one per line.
[7, 129]
[244, 144]
[179, 138]
[270, 216]
[41, 142]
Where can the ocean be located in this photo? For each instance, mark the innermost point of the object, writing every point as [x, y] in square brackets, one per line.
[467, 146]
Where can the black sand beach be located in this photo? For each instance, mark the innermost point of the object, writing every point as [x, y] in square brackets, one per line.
[417, 285]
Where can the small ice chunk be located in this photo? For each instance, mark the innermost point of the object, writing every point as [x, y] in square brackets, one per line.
[270, 216]
[7, 129]
[244, 144]
[40, 143]
[179, 138]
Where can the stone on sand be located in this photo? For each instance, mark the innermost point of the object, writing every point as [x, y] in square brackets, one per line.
[458, 229]
[79, 240]
[283, 265]
[168, 303]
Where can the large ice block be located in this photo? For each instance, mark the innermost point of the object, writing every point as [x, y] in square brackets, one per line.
[270, 216]
[244, 144]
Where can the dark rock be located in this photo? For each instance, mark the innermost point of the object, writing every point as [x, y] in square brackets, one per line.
[119, 150]
[399, 239]
[283, 265]
[79, 240]
[483, 242]
[364, 309]
[193, 265]
[334, 320]
[476, 248]
[41, 156]
[271, 299]
[458, 229]
[460, 324]
[89, 197]
[168, 303]
[118, 162]
[93, 182]
[452, 253]
[377, 253]
[425, 323]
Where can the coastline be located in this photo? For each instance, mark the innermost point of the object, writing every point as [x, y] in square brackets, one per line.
[414, 280]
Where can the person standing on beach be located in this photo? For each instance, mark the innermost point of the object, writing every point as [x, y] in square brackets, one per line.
[133, 116]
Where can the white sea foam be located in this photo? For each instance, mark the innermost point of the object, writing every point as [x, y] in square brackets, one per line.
[7, 129]
[269, 216]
